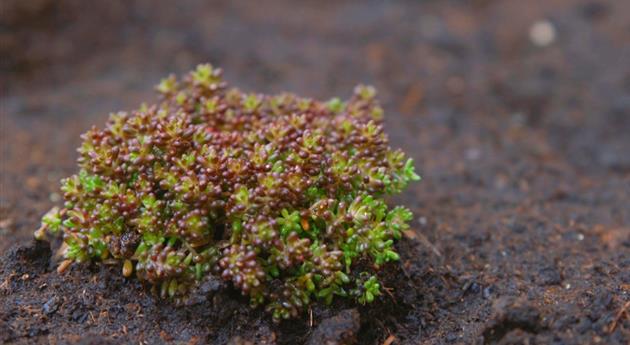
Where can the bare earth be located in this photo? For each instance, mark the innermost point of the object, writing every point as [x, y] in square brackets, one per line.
[519, 130]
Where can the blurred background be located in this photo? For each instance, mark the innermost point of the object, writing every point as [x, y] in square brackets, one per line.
[462, 80]
[517, 114]
[486, 95]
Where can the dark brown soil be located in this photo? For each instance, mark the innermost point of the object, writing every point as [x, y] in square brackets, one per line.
[522, 228]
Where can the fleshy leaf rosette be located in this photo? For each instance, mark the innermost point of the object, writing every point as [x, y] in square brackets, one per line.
[282, 196]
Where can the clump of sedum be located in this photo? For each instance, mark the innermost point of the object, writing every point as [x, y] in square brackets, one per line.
[282, 196]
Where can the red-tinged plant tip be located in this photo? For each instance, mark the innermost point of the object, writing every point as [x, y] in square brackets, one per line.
[280, 195]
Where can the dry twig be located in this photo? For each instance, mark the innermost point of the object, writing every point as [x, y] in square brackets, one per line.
[621, 312]
[389, 340]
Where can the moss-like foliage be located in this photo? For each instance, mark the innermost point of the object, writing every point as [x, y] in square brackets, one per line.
[280, 195]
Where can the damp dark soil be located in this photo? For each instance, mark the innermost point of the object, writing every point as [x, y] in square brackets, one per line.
[516, 112]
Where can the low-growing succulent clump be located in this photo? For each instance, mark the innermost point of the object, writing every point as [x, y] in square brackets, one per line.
[282, 196]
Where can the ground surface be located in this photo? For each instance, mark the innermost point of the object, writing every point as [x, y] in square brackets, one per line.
[522, 220]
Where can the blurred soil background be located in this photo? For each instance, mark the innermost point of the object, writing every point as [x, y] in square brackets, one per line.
[517, 114]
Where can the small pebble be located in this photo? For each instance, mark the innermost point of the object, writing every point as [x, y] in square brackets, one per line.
[422, 221]
[548, 276]
[339, 329]
[451, 337]
[79, 316]
[51, 306]
[542, 33]
[127, 268]
[487, 292]
[54, 197]
[474, 288]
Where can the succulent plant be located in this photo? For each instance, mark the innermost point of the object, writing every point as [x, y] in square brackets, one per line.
[280, 195]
